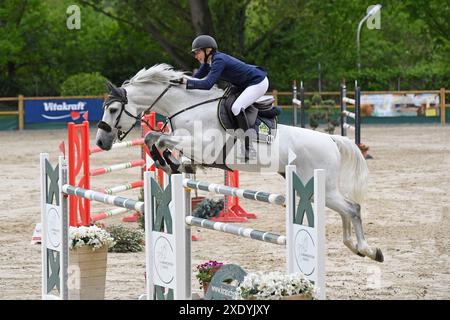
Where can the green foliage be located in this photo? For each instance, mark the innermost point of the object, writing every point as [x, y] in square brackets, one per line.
[208, 208]
[127, 240]
[314, 121]
[24, 45]
[288, 38]
[324, 112]
[84, 84]
[141, 221]
[316, 99]
[308, 104]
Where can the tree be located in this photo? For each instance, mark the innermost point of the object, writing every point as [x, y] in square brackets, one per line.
[23, 27]
[84, 84]
[289, 38]
[169, 23]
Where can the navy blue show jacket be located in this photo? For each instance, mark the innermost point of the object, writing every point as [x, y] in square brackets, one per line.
[227, 68]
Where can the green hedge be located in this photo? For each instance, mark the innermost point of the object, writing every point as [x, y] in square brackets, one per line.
[84, 84]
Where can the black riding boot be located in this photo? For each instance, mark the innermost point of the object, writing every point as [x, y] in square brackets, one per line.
[248, 152]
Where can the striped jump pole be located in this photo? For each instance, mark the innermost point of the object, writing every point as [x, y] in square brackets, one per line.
[232, 210]
[120, 145]
[235, 192]
[236, 230]
[116, 167]
[118, 201]
[123, 187]
[349, 101]
[113, 212]
[108, 213]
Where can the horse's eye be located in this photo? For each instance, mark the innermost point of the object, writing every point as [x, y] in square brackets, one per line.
[112, 110]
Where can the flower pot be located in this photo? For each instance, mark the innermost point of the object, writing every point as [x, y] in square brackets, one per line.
[195, 201]
[87, 273]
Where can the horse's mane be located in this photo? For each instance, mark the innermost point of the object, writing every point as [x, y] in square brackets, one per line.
[161, 73]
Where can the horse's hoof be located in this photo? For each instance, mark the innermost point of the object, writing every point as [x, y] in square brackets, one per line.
[189, 169]
[379, 256]
[151, 138]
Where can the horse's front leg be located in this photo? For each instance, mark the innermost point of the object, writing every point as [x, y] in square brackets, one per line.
[160, 163]
[182, 164]
[168, 142]
[173, 142]
[152, 137]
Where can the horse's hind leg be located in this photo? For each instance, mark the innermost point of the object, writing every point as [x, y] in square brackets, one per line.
[347, 234]
[351, 211]
[363, 247]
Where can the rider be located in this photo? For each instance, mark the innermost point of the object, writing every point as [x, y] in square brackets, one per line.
[215, 65]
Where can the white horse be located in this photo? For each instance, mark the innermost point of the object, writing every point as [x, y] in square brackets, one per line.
[198, 135]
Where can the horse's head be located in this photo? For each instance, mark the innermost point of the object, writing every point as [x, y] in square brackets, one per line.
[119, 117]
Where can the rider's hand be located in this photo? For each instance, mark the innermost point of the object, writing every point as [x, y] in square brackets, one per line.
[179, 81]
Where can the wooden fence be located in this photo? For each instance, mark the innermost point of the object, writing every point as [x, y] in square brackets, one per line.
[278, 95]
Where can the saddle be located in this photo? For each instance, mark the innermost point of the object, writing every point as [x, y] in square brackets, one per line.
[261, 115]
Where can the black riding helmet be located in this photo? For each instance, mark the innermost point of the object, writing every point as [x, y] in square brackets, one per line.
[203, 42]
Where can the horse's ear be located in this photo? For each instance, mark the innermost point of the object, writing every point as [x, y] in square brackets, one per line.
[110, 86]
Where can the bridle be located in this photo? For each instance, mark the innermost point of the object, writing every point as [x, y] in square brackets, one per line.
[123, 100]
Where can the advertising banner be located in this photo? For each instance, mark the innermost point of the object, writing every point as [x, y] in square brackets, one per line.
[58, 110]
[395, 105]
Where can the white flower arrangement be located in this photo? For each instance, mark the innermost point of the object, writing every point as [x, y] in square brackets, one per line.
[89, 236]
[274, 286]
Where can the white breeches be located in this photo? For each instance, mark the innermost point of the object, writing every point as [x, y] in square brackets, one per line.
[250, 95]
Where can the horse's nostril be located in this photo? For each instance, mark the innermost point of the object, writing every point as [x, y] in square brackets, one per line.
[99, 143]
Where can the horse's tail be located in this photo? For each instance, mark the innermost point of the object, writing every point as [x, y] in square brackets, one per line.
[354, 172]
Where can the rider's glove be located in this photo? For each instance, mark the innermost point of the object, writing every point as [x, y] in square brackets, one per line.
[178, 81]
